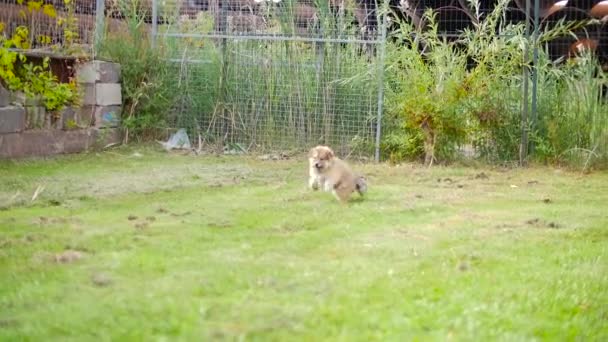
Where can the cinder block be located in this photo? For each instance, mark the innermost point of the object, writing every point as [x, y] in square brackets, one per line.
[85, 115]
[35, 117]
[107, 72]
[87, 73]
[49, 142]
[12, 119]
[5, 97]
[108, 94]
[19, 97]
[67, 119]
[88, 93]
[107, 116]
[98, 72]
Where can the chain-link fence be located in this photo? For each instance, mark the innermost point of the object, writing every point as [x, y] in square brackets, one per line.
[292, 73]
[296, 73]
[276, 75]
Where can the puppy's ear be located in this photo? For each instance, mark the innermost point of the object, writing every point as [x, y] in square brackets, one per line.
[330, 154]
[311, 153]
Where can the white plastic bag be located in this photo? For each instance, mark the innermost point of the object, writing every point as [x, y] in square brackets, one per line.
[178, 141]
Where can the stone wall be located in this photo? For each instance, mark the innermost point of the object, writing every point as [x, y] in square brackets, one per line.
[27, 129]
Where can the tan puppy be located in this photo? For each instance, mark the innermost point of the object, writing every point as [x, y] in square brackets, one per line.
[330, 173]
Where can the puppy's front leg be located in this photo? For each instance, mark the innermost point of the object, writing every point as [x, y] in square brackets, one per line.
[313, 183]
[328, 185]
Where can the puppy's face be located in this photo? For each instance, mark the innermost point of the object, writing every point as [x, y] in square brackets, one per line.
[321, 158]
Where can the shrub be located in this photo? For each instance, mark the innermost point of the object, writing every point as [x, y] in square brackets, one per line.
[468, 90]
[425, 90]
[34, 80]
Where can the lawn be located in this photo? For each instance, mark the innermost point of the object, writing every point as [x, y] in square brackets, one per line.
[138, 244]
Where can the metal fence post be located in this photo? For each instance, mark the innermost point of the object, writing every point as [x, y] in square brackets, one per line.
[535, 69]
[523, 148]
[380, 79]
[100, 6]
[154, 22]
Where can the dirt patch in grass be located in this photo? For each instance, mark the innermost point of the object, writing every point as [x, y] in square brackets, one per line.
[8, 322]
[536, 222]
[182, 214]
[101, 279]
[220, 225]
[68, 256]
[141, 225]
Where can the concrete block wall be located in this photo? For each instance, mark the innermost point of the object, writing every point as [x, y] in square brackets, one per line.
[27, 129]
[13, 118]
[102, 99]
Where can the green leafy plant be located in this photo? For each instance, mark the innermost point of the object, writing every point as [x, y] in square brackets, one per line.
[33, 80]
[8, 58]
[404, 144]
[426, 89]
[71, 124]
[39, 80]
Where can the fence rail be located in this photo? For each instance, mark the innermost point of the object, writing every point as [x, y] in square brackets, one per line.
[273, 38]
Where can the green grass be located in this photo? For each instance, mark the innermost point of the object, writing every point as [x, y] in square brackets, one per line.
[205, 248]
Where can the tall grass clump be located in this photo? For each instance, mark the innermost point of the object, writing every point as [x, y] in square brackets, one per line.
[573, 114]
[148, 83]
[445, 94]
[196, 66]
[288, 94]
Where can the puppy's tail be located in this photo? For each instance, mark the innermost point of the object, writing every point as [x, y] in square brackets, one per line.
[361, 185]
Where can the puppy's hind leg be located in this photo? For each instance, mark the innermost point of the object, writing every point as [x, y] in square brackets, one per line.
[361, 185]
[341, 196]
[342, 193]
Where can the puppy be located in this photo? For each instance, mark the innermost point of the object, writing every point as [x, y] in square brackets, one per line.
[330, 173]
